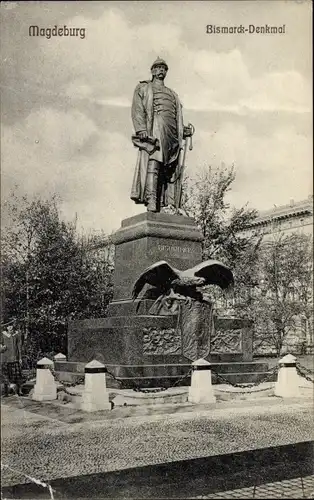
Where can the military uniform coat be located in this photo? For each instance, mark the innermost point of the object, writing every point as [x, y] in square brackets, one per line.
[143, 120]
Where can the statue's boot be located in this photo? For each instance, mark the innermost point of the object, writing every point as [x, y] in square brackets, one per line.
[151, 185]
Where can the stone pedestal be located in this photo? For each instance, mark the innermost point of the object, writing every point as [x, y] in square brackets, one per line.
[139, 346]
[119, 339]
[148, 238]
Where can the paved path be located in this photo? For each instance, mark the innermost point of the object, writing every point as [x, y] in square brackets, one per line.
[301, 487]
[50, 443]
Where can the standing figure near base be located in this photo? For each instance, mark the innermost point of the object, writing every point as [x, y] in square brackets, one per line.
[159, 135]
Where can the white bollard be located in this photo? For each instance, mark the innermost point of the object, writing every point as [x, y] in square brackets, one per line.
[95, 396]
[287, 385]
[201, 390]
[60, 357]
[45, 388]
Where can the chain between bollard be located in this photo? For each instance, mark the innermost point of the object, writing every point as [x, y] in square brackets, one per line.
[302, 371]
[137, 388]
[267, 378]
[219, 376]
[302, 374]
[305, 369]
[120, 382]
[148, 390]
[186, 375]
[66, 385]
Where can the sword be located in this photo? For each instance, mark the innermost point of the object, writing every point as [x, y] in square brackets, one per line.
[182, 167]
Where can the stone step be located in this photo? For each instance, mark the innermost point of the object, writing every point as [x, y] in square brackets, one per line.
[155, 369]
[153, 375]
[168, 380]
[174, 395]
[244, 378]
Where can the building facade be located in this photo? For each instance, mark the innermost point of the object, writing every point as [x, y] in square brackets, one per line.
[296, 217]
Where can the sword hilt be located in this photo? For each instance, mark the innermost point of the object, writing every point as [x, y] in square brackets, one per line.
[192, 128]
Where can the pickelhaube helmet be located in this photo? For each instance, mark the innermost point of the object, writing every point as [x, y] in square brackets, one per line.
[159, 61]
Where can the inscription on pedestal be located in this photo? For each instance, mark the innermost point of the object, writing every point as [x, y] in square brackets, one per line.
[177, 248]
[149, 238]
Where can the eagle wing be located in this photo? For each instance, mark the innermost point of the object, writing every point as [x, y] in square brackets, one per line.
[215, 273]
[158, 275]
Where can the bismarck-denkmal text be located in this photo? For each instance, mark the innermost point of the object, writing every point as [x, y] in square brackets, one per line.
[251, 29]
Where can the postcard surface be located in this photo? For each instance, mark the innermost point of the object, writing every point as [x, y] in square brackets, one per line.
[157, 211]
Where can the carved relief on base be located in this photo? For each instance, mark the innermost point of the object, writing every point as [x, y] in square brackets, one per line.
[161, 341]
[226, 341]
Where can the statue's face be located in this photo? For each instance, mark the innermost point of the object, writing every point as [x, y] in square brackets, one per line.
[159, 71]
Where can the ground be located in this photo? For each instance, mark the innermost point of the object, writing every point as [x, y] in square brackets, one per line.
[52, 443]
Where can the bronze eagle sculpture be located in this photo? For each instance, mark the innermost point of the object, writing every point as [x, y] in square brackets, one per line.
[182, 293]
[169, 281]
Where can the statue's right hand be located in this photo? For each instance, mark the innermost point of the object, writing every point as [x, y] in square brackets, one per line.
[142, 135]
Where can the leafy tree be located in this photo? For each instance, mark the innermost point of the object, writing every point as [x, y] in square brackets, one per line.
[284, 296]
[273, 282]
[220, 224]
[49, 274]
[223, 228]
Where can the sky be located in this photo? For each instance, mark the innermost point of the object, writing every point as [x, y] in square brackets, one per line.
[65, 101]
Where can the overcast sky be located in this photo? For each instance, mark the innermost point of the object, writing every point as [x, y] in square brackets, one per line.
[66, 123]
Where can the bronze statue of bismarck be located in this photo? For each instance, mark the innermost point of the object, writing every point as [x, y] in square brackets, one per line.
[160, 136]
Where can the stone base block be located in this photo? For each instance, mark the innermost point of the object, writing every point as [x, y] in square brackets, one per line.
[116, 339]
[49, 395]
